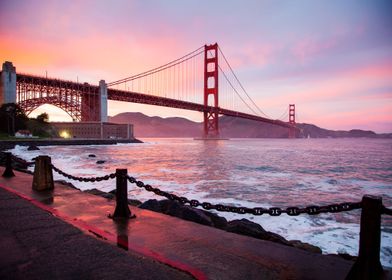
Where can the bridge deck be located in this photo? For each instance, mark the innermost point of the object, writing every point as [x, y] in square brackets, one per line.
[135, 97]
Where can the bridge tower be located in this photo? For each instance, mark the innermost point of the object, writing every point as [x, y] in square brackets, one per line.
[8, 83]
[211, 118]
[292, 120]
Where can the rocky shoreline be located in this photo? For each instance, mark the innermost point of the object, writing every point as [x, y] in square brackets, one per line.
[240, 226]
[200, 216]
[10, 144]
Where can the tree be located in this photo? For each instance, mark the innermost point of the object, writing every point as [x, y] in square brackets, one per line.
[43, 118]
[12, 118]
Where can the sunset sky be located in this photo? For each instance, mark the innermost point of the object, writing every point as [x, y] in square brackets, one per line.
[333, 59]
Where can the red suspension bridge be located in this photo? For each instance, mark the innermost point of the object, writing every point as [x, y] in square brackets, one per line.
[197, 81]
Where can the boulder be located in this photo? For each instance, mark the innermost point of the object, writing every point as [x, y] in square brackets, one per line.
[151, 204]
[134, 202]
[33, 148]
[246, 227]
[101, 161]
[176, 209]
[65, 183]
[305, 246]
[171, 207]
[243, 226]
[218, 221]
[196, 215]
[91, 155]
[100, 193]
[344, 256]
[274, 237]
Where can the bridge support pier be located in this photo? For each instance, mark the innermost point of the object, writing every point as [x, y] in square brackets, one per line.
[103, 101]
[8, 83]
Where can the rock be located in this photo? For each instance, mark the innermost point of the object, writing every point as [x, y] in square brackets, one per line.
[305, 246]
[151, 204]
[134, 202]
[195, 215]
[344, 256]
[176, 209]
[91, 155]
[101, 161]
[246, 227]
[100, 193]
[65, 183]
[218, 221]
[33, 148]
[274, 237]
[170, 207]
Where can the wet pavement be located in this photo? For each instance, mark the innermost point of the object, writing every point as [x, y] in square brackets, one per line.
[37, 245]
[155, 238]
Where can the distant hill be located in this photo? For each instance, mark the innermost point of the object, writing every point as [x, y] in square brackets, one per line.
[230, 127]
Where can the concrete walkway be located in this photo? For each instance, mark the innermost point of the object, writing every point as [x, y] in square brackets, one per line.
[45, 246]
[36, 245]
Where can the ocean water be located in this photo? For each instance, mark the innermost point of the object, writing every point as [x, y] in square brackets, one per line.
[253, 173]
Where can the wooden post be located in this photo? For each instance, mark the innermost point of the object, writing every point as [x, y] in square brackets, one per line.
[368, 265]
[43, 175]
[122, 209]
[8, 172]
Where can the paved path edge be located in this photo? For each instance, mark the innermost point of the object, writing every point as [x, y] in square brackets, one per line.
[108, 237]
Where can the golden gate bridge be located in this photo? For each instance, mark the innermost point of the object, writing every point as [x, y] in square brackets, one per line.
[202, 80]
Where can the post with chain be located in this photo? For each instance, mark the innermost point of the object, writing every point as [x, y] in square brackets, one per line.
[43, 174]
[122, 210]
[8, 172]
[368, 265]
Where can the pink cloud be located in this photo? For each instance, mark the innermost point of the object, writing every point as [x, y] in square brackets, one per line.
[307, 48]
[375, 117]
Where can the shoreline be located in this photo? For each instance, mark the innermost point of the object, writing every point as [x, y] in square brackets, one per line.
[10, 144]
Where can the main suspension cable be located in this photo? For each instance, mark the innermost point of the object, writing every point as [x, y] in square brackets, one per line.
[235, 76]
[160, 68]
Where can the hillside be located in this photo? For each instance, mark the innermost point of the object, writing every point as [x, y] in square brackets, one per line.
[230, 127]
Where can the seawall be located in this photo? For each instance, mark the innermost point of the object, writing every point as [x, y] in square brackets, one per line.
[10, 144]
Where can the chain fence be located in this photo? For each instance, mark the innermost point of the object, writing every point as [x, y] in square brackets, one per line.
[273, 211]
[257, 211]
[22, 161]
[84, 179]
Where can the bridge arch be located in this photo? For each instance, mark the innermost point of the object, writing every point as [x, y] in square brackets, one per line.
[71, 109]
[82, 102]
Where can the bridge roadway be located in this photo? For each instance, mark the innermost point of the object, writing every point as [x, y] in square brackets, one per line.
[205, 252]
[134, 97]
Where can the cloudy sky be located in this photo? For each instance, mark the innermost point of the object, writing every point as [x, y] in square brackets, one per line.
[333, 59]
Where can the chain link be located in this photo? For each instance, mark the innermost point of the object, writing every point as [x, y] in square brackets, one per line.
[84, 179]
[22, 161]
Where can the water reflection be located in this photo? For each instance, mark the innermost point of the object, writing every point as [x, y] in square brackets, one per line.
[210, 160]
[122, 233]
